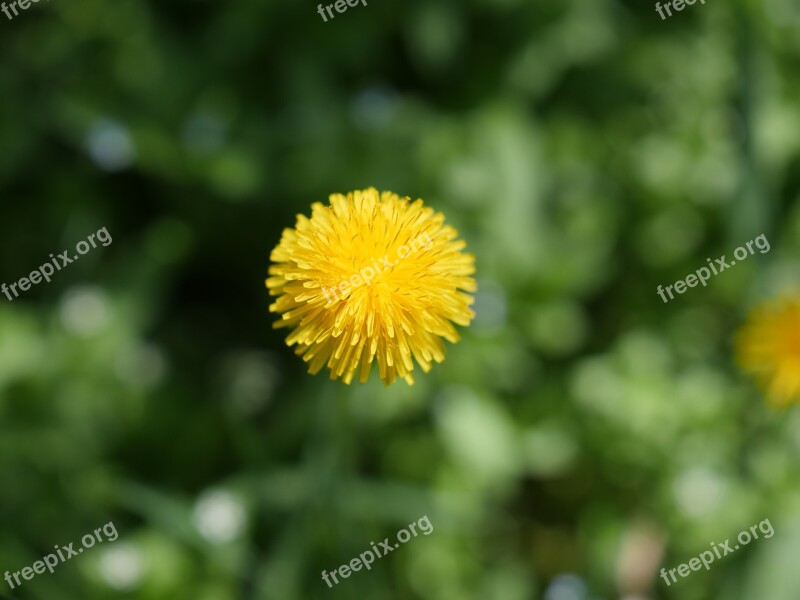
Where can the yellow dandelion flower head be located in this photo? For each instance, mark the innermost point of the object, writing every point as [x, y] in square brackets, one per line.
[371, 277]
[768, 346]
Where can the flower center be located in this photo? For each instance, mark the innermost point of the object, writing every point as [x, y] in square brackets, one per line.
[790, 342]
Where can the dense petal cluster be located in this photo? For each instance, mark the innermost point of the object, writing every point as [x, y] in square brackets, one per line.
[768, 346]
[371, 277]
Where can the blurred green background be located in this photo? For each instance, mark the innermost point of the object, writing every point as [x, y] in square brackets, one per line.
[580, 437]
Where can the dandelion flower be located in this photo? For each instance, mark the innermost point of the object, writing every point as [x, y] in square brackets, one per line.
[768, 346]
[371, 277]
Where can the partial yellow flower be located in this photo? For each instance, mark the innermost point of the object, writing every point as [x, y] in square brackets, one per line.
[768, 346]
[371, 277]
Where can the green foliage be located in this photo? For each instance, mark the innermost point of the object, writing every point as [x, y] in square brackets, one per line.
[587, 151]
